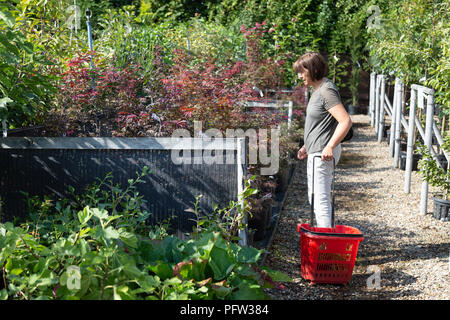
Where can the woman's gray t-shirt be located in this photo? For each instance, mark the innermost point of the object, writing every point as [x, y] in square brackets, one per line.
[319, 123]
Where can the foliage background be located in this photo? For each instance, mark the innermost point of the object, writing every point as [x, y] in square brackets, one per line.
[412, 41]
[159, 65]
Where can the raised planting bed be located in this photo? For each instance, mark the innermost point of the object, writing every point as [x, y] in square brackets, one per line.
[282, 106]
[48, 166]
[278, 204]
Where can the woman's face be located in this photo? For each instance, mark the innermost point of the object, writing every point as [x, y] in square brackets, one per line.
[304, 75]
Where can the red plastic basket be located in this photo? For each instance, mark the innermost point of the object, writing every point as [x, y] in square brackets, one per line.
[328, 254]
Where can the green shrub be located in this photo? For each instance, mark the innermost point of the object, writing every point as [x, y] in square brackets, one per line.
[431, 172]
[98, 246]
[24, 89]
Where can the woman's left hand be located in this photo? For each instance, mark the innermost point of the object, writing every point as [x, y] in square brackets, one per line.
[327, 153]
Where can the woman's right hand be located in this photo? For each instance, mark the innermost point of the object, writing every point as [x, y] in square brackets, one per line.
[301, 154]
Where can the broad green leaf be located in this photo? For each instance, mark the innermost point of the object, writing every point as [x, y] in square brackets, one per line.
[278, 276]
[184, 270]
[248, 291]
[107, 234]
[176, 296]
[172, 281]
[32, 279]
[3, 294]
[162, 270]
[132, 271]
[123, 293]
[84, 231]
[221, 263]
[102, 214]
[111, 233]
[12, 47]
[63, 279]
[248, 255]
[16, 271]
[47, 280]
[171, 249]
[7, 17]
[85, 283]
[84, 215]
[220, 290]
[203, 289]
[148, 284]
[198, 269]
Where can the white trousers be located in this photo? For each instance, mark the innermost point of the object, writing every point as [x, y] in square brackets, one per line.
[323, 178]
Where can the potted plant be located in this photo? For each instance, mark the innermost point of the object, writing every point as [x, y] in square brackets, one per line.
[355, 46]
[438, 177]
[25, 89]
[289, 145]
[260, 206]
[353, 108]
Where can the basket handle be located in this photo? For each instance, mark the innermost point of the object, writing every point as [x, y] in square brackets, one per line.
[332, 192]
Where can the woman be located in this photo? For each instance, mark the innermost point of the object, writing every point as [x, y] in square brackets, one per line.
[327, 123]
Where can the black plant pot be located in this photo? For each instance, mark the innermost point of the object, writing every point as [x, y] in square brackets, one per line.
[387, 132]
[282, 179]
[441, 209]
[434, 141]
[443, 161]
[269, 216]
[415, 162]
[353, 109]
[260, 221]
[363, 110]
[403, 146]
[250, 237]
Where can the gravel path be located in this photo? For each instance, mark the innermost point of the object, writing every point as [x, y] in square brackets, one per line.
[410, 251]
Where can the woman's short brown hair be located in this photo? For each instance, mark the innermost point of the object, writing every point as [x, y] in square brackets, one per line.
[314, 63]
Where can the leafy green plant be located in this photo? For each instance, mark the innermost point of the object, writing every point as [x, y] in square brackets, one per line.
[337, 70]
[94, 246]
[23, 88]
[411, 43]
[228, 221]
[355, 45]
[431, 172]
[439, 73]
[152, 11]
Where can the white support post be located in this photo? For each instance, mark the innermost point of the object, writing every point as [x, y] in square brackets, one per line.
[241, 174]
[393, 122]
[4, 128]
[440, 140]
[381, 109]
[373, 80]
[410, 145]
[290, 110]
[428, 142]
[377, 103]
[387, 106]
[398, 127]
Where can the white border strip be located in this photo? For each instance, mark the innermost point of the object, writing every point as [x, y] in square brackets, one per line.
[144, 143]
